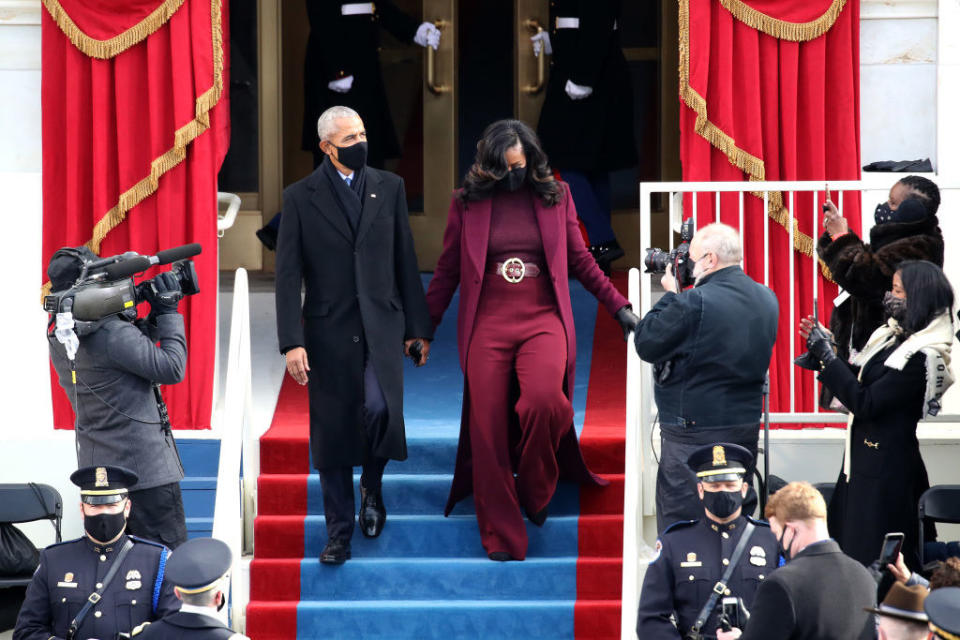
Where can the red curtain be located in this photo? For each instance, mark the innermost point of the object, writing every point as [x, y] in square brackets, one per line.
[770, 91]
[135, 127]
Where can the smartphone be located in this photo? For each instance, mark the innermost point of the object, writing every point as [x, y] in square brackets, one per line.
[892, 543]
[826, 196]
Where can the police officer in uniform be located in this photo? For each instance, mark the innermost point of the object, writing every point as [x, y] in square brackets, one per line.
[105, 583]
[692, 555]
[198, 571]
[943, 609]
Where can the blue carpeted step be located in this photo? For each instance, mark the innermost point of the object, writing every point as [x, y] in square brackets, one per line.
[426, 578]
[421, 493]
[199, 494]
[413, 619]
[432, 449]
[436, 536]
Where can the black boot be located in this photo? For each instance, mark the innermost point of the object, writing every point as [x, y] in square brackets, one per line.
[605, 253]
[373, 514]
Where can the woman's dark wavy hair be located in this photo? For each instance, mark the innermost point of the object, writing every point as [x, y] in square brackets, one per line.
[928, 293]
[489, 167]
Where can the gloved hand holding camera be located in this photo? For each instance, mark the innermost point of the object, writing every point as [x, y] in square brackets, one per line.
[821, 350]
[163, 294]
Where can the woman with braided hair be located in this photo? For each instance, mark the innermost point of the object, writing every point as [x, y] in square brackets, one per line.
[906, 229]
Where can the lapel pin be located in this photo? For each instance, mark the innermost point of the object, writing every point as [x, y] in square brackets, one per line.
[373, 195]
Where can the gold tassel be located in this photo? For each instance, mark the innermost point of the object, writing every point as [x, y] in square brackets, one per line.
[781, 29]
[173, 156]
[740, 158]
[106, 49]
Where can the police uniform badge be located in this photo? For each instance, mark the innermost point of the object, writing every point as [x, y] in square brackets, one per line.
[67, 581]
[691, 561]
[719, 456]
[133, 580]
[758, 557]
[101, 477]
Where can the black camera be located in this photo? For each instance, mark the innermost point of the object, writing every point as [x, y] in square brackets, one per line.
[733, 613]
[105, 286]
[656, 260]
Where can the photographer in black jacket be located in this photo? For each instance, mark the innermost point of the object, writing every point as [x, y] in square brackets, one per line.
[710, 346]
[110, 384]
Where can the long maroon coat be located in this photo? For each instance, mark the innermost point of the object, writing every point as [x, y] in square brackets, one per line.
[463, 262]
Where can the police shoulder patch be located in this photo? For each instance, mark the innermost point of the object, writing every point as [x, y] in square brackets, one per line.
[658, 549]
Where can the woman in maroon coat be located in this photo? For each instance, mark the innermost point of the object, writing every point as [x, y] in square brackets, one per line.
[512, 237]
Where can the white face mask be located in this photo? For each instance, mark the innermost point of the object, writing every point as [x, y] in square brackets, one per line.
[699, 267]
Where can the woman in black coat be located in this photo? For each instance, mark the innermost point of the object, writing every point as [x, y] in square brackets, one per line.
[898, 377]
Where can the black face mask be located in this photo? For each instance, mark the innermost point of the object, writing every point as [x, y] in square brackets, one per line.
[352, 157]
[104, 527]
[895, 307]
[722, 503]
[514, 179]
[785, 550]
[883, 213]
[223, 602]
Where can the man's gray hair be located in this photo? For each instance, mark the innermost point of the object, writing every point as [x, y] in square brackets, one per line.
[899, 629]
[722, 240]
[326, 124]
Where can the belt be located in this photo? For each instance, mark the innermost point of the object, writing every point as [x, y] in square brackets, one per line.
[514, 270]
[356, 8]
[573, 23]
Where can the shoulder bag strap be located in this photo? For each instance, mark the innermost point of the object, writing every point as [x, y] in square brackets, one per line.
[721, 587]
[98, 594]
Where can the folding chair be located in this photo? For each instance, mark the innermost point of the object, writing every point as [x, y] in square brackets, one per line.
[939, 503]
[26, 503]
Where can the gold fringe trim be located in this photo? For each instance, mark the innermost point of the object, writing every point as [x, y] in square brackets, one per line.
[175, 155]
[781, 29]
[106, 49]
[738, 157]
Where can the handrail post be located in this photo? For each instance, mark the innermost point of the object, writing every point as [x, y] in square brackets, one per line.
[632, 480]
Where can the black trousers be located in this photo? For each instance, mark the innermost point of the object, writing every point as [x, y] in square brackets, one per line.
[337, 483]
[677, 498]
[157, 514]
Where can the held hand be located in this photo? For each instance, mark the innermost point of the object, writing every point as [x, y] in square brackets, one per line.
[628, 320]
[163, 294]
[833, 222]
[668, 282]
[428, 35]
[297, 364]
[417, 349]
[341, 85]
[899, 570]
[821, 346]
[733, 634]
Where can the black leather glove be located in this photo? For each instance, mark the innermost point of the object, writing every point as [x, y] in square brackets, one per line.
[163, 294]
[628, 320]
[820, 351]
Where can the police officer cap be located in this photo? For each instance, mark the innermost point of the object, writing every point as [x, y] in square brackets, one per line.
[943, 609]
[198, 564]
[720, 462]
[103, 485]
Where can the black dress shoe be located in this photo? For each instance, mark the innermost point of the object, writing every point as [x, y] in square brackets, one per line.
[373, 514]
[539, 517]
[336, 552]
[500, 556]
[605, 253]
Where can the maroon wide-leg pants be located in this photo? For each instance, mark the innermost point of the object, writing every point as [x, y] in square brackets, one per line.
[518, 329]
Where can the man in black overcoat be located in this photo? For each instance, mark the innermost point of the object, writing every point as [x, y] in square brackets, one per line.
[345, 236]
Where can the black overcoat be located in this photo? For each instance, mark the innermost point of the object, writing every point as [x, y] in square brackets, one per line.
[341, 46]
[595, 133]
[363, 296]
[887, 474]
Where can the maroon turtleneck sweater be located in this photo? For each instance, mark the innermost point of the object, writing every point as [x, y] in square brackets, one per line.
[514, 232]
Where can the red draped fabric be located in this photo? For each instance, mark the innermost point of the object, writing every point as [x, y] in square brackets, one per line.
[135, 127]
[770, 91]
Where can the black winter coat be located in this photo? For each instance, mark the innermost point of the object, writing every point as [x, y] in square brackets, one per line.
[341, 46]
[887, 473]
[363, 299]
[595, 133]
[866, 271]
[819, 595]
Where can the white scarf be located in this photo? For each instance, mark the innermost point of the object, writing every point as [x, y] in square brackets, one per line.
[934, 341]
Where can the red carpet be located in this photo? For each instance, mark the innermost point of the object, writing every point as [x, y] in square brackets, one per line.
[600, 537]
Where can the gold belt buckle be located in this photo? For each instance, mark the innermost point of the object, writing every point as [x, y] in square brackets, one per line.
[513, 270]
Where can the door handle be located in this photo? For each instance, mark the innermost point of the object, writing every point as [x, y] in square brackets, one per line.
[533, 26]
[432, 84]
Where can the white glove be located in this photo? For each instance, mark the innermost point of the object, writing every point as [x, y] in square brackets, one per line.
[427, 35]
[542, 41]
[576, 91]
[342, 85]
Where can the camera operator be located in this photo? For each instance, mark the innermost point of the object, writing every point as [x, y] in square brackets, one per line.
[710, 347]
[120, 418]
[725, 550]
[819, 594]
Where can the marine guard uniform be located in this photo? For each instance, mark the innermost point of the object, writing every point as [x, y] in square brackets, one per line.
[692, 556]
[72, 573]
[200, 566]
